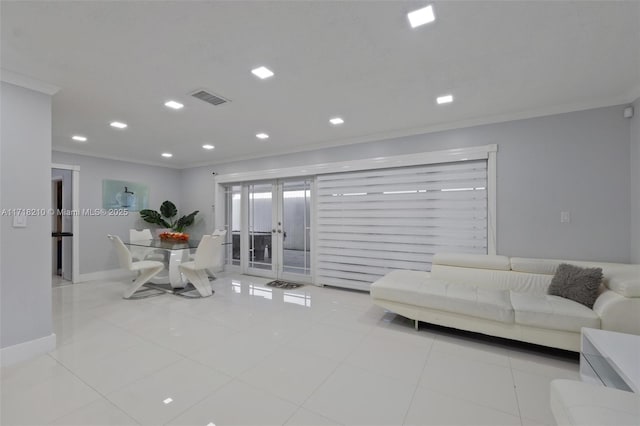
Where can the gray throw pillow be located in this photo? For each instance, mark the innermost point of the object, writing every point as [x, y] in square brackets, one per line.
[579, 284]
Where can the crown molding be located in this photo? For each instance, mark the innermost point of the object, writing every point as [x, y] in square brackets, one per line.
[114, 158]
[27, 82]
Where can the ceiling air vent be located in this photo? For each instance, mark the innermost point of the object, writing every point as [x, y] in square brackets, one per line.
[203, 95]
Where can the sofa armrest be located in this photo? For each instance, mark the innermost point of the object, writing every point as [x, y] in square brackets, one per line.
[618, 313]
[627, 285]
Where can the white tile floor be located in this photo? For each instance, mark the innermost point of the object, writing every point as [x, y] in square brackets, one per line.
[254, 355]
[58, 281]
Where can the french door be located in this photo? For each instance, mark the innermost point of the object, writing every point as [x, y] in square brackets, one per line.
[277, 220]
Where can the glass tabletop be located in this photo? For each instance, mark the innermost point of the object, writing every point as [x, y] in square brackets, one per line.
[164, 244]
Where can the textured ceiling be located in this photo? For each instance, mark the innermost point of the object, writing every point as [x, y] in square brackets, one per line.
[358, 60]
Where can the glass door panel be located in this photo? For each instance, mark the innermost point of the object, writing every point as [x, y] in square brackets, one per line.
[296, 226]
[259, 250]
[232, 224]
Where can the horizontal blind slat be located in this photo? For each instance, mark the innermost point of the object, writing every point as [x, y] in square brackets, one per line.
[367, 261]
[350, 284]
[405, 213]
[402, 247]
[413, 179]
[400, 230]
[370, 254]
[455, 196]
[407, 205]
[466, 185]
[375, 270]
[433, 168]
[433, 222]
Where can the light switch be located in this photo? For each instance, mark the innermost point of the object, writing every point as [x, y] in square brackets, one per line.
[19, 221]
[565, 217]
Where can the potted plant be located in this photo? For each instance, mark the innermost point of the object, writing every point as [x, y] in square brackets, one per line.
[166, 219]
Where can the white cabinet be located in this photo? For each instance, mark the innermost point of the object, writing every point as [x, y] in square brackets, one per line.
[611, 359]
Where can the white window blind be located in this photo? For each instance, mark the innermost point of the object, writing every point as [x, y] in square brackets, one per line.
[371, 222]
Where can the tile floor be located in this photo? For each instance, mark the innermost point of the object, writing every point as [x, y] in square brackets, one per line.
[58, 281]
[254, 355]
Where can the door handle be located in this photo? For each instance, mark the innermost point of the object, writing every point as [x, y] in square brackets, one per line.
[273, 231]
[279, 231]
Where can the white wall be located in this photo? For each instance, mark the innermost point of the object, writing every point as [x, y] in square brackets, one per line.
[635, 183]
[576, 162]
[96, 252]
[196, 193]
[25, 182]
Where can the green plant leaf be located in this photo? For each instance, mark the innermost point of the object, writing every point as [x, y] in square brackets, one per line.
[185, 221]
[168, 209]
[152, 216]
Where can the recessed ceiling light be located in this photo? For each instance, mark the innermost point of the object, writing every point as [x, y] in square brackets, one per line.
[207, 146]
[445, 99]
[262, 72]
[336, 121]
[421, 16]
[168, 401]
[173, 105]
[79, 138]
[262, 136]
[167, 154]
[118, 125]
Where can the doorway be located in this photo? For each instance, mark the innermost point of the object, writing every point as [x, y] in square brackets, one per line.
[61, 226]
[277, 229]
[64, 224]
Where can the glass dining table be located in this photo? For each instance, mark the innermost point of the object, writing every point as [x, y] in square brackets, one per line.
[173, 254]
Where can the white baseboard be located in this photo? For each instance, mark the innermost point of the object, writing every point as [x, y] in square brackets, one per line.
[27, 350]
[111, 274]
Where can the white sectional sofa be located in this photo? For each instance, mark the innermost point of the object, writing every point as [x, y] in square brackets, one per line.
[507, 297]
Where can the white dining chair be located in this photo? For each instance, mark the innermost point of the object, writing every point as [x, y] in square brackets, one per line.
[222, 233]
[147, 268]
[142, 253]
[206, 257]
[219, 233]
[140, 234]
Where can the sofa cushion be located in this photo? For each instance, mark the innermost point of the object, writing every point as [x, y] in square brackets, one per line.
[418, 289]
[473, 301]
[399, 281]
[534, 266]
[579, 284]
[491, 278]
[480, 261]
[553, 312]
